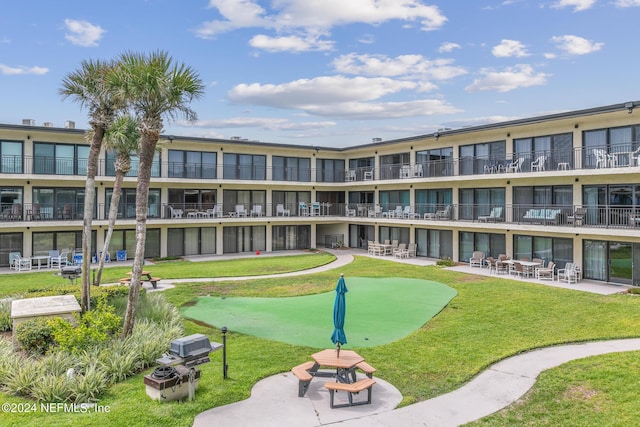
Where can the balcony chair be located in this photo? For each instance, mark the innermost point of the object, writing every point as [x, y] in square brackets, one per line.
[240, 211]
[515, 166]
[445, 213]
[418, 171]
[256, 210]
[175, 213]
[538, 164]
[602, 160]
[349, 211]
[368, 175]
[546, 273]
[577, 217]
[494, 215]
[376, 212]
[15, 214]
[350, 175]
[280, 210]
[315, 208]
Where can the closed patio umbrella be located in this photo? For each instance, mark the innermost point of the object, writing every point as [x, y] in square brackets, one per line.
[339, 311]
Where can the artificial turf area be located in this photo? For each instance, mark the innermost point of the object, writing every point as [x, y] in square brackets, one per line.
[379, 311]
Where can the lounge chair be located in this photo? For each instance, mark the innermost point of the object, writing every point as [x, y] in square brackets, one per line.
[477, 259]
[494, 215]
[444, 214]
[175, 213]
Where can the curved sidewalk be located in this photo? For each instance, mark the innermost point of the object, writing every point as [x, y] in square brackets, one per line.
[274, 400]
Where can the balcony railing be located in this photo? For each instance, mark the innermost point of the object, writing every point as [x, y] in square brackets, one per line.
[610, 217]
[622, 155]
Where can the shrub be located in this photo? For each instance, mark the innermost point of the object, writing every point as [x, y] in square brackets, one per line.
[8, 359]
[34, 336]
[87, 387]
[52, 388]
[445, 262]
[5, 314]
[94, 327]
[22, 377]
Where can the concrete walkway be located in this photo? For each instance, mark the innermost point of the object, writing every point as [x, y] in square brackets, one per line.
[274, 400]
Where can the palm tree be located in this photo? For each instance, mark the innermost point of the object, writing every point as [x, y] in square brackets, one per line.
[123, 138]
[155, 88]
[89, 86]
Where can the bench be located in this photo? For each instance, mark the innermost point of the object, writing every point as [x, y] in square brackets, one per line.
[352, 388]
[366, 368]
[153, 280]
[303, 375]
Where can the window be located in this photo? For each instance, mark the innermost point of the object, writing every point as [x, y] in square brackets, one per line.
[401, 234]
[135, 163]
[390, 199]
[127, 205]
[623, 139]
[610, 204]
[244, 239]
[526, 198]
[191, 241]
[192, 164]
[476, 202]
[291, 169]
[245, 166]
[437, 162]
[8, 197]
[474, 158]
[434, 243]
[199, 200]
[291, 237]
[126, 240]
[61, 240]
[330, 170]
[60, 159]
[556, 148]
[558, 250]
[490, 243]
[9, 242]
[247, 198]
[11, 157]
[430, 201]
[61, 203]
[360, 166]
[390, 165]
[289, 200]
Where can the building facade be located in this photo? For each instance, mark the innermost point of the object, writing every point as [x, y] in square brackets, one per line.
[563, 187]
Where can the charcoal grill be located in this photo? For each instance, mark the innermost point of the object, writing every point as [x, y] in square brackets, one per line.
[71, 272]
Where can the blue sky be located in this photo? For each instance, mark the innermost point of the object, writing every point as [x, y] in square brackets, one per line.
[333, 72]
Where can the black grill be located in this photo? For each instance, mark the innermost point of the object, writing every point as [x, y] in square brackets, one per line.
[71, 272]
[189, 351]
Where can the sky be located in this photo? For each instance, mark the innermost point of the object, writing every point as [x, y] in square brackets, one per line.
[333, 73]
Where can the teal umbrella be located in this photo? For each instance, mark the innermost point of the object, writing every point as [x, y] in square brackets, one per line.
[339, 312]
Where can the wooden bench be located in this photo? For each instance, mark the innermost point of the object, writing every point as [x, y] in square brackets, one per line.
[352, 388]
[366, 368]
[153, 280]
[303, 375]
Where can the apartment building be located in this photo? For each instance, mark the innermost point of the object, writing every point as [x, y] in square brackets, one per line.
[562, 187]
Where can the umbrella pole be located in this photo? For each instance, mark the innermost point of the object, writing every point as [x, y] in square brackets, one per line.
[338, 350]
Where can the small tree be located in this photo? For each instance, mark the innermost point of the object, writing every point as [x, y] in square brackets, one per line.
[89, 86]
[155, 88]
[123, 138]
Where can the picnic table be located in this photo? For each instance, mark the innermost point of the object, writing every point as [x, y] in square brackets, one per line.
[145, 276]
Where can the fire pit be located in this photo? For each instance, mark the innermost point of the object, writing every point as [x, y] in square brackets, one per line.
[177, 377]
[71, 272]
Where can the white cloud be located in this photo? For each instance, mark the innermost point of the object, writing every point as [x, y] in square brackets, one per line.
[340, 97]
[511, 78]
[14, 71]
[448, 47]
[83, 33]
[293, 44]
[262, 123]
[574, 45]
[509, 48]
[367, 39]
[578, 5]
[305, 14]
[627, 3]
[404, 65]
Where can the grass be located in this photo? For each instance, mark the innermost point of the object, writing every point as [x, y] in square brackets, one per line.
[490, 319]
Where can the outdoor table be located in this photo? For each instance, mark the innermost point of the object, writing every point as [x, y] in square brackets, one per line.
[146, 274]
[529, 266]
[345, 364]
[386, 249]
[39, 258]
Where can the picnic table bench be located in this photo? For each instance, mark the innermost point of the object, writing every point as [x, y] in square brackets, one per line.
[144, 277]
[304, 376]
[351, 388]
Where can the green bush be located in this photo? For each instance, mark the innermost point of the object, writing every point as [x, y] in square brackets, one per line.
[22, 377]
[445, 262]
[97, 292]
[51, 388]
[5, 314]
[87, 387]
[94, 326]
[34, 336]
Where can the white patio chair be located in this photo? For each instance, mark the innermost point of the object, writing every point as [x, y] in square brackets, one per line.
[538, 164]
[256, 210]
[280, 210]
[175, 213]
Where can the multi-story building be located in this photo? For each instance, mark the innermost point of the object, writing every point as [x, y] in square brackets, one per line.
[562, 187]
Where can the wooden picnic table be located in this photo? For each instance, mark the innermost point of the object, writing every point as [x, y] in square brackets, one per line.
[145, 276]
[345, 363]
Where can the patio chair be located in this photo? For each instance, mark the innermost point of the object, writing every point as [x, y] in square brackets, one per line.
[240, 211]
[538, 164]
[16, 212]
[60, 260]
[408, 212]
[303, 209]
[546, 273]
[35, 212]
[494, 215]
[517, 269]
[491, 263]
[577, 217]
[350, 175]
[349, 211]
[515, 166]
[175, 213]
[445, 213]
[315, 208]
[477, 259]
[368, 175]
[375, 212]
[256, 210]
[67, 211]
[411, 250]
[121, 255]
[418, 171]
[280, 210]
[602, 160]
[400, 251]
[568, 273]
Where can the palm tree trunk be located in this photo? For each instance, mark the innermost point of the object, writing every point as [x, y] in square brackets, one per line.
[147, 149]
[113, 216]
[89, 197]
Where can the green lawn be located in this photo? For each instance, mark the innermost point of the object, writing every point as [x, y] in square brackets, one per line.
[490, 319]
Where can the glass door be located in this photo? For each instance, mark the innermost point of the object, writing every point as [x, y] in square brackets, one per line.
[620, 262]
